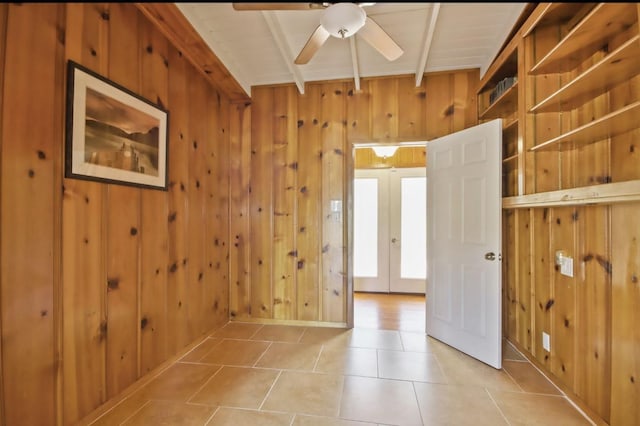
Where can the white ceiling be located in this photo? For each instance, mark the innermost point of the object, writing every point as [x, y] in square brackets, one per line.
[259, 47]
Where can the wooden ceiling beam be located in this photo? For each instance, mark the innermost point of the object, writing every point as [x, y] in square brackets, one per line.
[283, 47]
[426, 44]
[354, 61]
[174, 25]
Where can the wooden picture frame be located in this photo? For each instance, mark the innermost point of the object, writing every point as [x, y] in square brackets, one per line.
[112, 134]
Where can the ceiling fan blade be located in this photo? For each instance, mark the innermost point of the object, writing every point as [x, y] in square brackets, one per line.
[317, 39]
[373, 34]
[278, 6]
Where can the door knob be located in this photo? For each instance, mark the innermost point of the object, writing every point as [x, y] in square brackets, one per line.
[490, 256]
[394, 240]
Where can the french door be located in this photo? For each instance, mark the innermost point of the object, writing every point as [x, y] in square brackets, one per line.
[390, 230]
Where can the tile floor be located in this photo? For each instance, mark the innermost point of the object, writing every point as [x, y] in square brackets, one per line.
[253, 374]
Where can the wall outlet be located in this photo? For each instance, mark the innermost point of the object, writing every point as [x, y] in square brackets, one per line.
[546, 342]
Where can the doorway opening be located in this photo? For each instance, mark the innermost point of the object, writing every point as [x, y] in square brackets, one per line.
[389, 237]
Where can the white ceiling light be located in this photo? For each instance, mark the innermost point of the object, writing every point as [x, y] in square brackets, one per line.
[385, 151]
[343, 20]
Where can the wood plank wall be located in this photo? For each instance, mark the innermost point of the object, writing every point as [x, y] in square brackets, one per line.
[100, 284]
[289, 253]
[592, 317]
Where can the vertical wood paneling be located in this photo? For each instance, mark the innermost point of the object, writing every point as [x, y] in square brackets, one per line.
[523, 280]
[464, 99]
[411, 108]
[309, 196]
[285, 182]
[239, 168]
[154, 213]
[333, 175]
[509, 278]
[83, 264]
[261, 203]
[625, 152]
[440, 105]
[196, 193]
[593, 309]
[563, 311]
[178, 216]
[123, 224]
[359, 112]
[384, 108]
[216, 312]
[27, 190]
[4, 11]
[543, 264]
[625, 334]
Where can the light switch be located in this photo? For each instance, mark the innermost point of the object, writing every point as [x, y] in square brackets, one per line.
[566, 266]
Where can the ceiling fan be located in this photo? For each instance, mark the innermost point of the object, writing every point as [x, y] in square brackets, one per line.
[340, 20]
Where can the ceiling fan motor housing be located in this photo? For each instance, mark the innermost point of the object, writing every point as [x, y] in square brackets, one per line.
[343, 20]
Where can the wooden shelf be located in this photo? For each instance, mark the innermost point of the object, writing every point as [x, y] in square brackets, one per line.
[606, 193]
[587, 37]
[505, 104]
[617, 67]
[509, 126]
[555, 14]
[510, 158]
[615, 123]
[505, 65]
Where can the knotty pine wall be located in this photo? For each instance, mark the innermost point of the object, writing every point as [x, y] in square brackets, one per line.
[592, 317]
[100, 284]
[288, 252]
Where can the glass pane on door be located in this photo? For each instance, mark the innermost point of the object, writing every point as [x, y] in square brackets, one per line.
[365, 228]
[413, 227]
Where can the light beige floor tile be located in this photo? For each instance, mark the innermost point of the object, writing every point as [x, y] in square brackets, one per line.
[529, 378]
[121, 412]
[236, 417]
[197, 353]
[417, 366]
[302, 420]
[237, 387]
[530, 409]
[417, 342]
[279, 333]
[179, 382]
[460, 368]
[306, 393]
[327, 336]
[348, 361]
[290, 356]
[170, 413]
[376, 339]
[236, 352]
[511, 353]
[237, 330]
[457, 405]
[385, 401]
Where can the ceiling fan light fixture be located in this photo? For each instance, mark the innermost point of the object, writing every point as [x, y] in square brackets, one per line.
[343, 20]
[385, 151]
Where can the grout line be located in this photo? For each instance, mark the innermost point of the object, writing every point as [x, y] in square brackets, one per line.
[415, 394]
[212, 415]
[301, 334]
[135, 412]
[514, 380]
[269, 391]
[315, 364]
[262, 355]
[497, 406]
[205, 383]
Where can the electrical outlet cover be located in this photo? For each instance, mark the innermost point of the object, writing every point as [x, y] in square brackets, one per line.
[546, 342]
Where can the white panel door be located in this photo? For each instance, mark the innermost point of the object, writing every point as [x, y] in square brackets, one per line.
[464, 204]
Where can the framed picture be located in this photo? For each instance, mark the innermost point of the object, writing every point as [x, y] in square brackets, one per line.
[112, 134]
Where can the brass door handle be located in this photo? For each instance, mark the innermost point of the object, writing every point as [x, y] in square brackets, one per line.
[490, 256]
